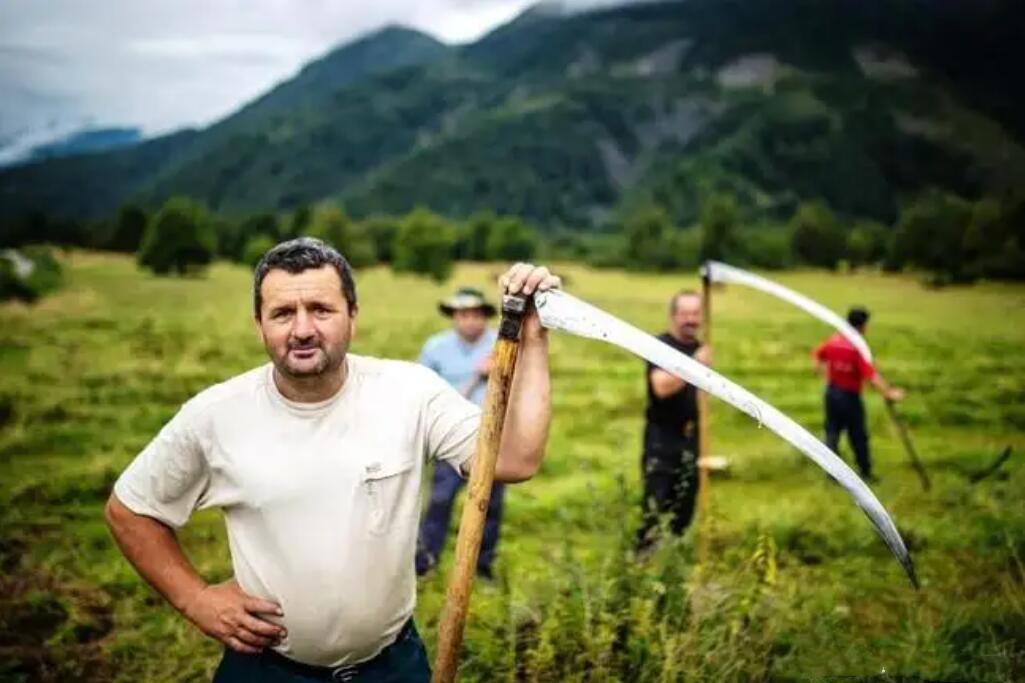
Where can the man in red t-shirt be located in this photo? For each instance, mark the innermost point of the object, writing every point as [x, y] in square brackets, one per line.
[845, 369]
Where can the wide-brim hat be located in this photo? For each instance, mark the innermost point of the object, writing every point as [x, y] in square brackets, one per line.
[466, 299]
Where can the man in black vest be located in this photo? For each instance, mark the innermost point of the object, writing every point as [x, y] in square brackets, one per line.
[669, 465]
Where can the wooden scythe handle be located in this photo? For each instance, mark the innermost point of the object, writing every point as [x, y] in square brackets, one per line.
[482, 475]
[704, 431]
[909, 448]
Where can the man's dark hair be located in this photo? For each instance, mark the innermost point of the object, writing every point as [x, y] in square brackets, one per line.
[857, 317]
[676, 297]
[295, 256]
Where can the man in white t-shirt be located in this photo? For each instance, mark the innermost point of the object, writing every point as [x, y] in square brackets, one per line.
[316, 460]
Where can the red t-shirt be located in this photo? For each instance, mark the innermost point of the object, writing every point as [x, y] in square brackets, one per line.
[847, 367]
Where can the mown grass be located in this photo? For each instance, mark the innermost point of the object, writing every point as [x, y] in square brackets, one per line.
[797, 585]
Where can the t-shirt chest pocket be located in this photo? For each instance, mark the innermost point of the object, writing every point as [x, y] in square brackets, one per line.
[391, 493]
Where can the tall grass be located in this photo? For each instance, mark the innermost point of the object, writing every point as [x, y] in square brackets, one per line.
[796, 585]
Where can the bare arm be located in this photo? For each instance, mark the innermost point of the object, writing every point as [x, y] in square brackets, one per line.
[889, 392]
[665, 385]
[223, 611]
[529, 412]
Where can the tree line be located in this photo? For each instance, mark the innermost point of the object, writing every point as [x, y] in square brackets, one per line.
[950, 238]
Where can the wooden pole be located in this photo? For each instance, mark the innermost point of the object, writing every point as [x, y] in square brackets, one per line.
[704, 433]
[482, 475]
[909, 448]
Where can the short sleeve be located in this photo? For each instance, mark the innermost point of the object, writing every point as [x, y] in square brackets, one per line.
[451, 423]
[427, 356]
[168, 478]
[820, 352]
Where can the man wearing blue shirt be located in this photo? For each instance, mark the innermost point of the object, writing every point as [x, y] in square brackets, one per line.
[462, 356]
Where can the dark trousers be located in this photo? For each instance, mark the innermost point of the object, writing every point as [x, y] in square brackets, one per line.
[404, 661]
[846, 412]
[670, 471]
[434, 529]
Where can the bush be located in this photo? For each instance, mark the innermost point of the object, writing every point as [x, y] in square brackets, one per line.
[816, 239]
[425, 244]
[180, 239]
[28, 273]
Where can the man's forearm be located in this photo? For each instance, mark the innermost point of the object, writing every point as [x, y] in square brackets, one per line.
[528, 415]
[665, 385]
[153, 549]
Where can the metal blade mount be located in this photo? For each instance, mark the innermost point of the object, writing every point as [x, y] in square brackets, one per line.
[716, 271]
[561, 311]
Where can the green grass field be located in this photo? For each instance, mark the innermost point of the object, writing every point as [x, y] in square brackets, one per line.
[797, 585]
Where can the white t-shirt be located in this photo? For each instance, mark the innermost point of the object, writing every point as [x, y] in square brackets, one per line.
[321, 500]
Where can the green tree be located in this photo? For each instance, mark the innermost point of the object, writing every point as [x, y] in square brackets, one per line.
[332, 225]
[719, 228]
[472, 242]
[994, 241]
[930, 234]
[180, 239]
[867, 243]
[255, 248]
[511, 239]
[301, 218]
[381, 230]
[650, 239]
[425, 244]
[129, 228]
[235, 237]
[815, 237]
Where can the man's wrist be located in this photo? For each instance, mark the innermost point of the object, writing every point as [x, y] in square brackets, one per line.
[186, 601]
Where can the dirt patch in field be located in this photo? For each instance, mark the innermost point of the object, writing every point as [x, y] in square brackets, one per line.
[49, 630]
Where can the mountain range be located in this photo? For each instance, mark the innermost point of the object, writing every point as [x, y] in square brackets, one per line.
[568, 119]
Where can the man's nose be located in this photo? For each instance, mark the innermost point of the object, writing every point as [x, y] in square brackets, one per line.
[303, 327]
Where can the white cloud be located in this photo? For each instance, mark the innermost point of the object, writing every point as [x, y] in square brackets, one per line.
[165, 65]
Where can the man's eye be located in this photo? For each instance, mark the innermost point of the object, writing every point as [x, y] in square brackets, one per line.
[279, 315]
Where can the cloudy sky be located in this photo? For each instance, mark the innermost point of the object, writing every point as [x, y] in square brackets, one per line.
[165, 64]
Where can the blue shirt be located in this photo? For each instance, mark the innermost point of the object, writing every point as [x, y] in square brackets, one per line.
[457, 360]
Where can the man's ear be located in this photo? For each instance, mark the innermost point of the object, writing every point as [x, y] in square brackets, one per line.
[353, 315]
[258, 329]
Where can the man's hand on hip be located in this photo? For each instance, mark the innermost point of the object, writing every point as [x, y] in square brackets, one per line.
[225, 612]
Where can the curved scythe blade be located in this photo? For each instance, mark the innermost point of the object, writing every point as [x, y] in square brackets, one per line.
[717, 271]
[561, 311]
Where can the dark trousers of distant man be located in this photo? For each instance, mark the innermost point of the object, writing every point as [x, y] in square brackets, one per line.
[444, 487]
[404, 661]
[669, 466]
[846, 413]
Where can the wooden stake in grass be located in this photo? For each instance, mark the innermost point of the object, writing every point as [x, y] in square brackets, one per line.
[704, 449]
[482, 476]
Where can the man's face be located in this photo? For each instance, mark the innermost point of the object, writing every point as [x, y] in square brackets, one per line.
[469, 323]
[305, 322]
[687, 317]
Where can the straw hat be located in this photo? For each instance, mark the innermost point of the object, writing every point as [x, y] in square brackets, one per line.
[466, 298]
